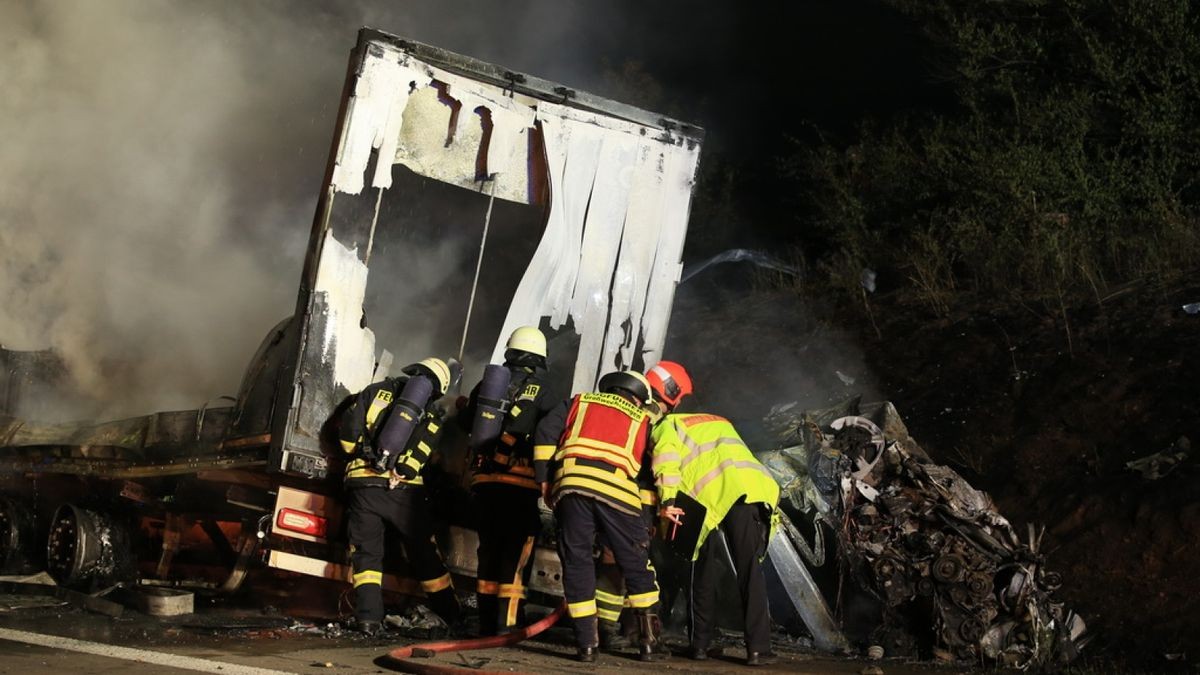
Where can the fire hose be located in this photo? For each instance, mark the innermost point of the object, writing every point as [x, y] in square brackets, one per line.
[399, 657]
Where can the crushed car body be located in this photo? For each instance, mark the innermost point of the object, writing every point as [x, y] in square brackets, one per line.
[942, 571]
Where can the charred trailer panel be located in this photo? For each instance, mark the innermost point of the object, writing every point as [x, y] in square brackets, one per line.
[603, 188]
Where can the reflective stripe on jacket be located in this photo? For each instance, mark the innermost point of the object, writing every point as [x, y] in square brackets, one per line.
[704, 457]
[600, 450]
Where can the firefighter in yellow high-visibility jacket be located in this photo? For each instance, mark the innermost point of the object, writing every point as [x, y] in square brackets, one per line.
[703, 457]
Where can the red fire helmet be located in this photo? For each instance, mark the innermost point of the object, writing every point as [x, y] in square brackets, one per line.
[669, 381]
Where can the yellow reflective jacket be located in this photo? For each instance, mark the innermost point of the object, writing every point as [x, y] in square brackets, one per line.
[704, 457]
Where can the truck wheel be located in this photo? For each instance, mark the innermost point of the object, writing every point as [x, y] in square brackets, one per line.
[16, 537]
[88, 548]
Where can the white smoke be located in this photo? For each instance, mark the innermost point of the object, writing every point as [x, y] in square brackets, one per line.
[161, 162]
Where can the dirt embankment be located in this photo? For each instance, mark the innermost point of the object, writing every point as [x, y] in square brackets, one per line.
[1045, 418]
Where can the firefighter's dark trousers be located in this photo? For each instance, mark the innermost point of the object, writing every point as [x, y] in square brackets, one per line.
[746, 527]
[579, 519]
[610, 592]
[406, 509]
[610, 585]
[508, 523]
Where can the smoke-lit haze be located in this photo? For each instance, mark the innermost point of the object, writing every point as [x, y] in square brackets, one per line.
[749, 349]
[161, 164]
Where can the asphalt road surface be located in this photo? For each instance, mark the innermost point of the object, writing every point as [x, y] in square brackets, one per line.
[41, 635]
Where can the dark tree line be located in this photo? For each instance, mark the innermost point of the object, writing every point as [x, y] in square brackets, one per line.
[1067, 162]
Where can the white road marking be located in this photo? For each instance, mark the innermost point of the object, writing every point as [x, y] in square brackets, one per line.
[130, 654]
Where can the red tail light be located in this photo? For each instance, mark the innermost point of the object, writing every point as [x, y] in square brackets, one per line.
[299, 521]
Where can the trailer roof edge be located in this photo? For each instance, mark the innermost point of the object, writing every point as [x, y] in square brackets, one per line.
[531, 85]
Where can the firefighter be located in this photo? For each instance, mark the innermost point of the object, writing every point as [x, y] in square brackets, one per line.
[587, 456]
[388, 434]
[503, 413]
[703, 457]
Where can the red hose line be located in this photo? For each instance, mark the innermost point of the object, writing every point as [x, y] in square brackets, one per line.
[398, 657]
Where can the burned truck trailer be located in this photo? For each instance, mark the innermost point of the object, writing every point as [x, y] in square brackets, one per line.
[575, 209]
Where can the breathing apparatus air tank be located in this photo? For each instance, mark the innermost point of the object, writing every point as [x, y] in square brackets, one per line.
[491, 405]
[406, 413]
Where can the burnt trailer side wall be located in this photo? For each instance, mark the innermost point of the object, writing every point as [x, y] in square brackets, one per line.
[617, 179]
[284, 416]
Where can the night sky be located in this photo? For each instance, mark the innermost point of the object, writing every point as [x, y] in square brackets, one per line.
[762, 81]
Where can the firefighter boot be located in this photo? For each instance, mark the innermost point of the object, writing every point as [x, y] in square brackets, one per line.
[368, 608]
[367, 628]
[649, 629]
[444, 603]
[612, 638]
[587, 638]
[489, 612]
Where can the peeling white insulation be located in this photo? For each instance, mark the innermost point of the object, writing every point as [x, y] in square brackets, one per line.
[609, 258]
[342, 284]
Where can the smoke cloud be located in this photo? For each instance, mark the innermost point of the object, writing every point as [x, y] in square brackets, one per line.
[751, 345]
[160, 168]
[162, 161]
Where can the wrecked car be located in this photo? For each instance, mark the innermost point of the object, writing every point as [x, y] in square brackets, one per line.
[926, 566]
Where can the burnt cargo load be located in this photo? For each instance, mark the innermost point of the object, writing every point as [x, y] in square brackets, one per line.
[581, 206]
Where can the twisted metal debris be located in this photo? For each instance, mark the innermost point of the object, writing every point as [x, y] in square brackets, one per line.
[946, 573]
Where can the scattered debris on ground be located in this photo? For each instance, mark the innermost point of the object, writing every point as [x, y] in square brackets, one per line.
[417, 621]
[40, 590]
